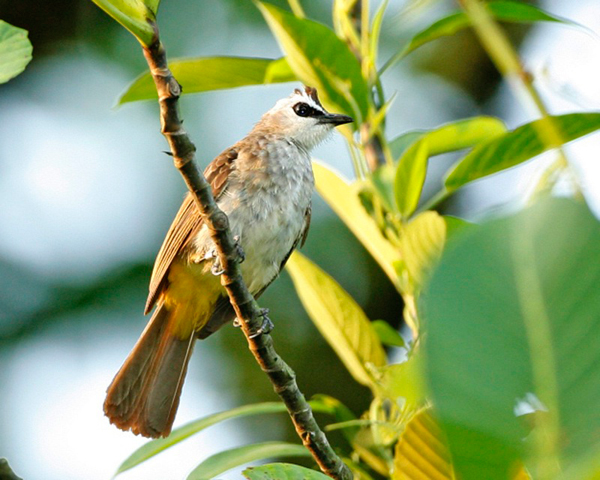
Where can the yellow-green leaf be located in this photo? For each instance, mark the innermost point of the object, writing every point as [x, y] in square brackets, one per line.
[412, 166]
[136, 16]
[223, 461]
[15, 51]
[153, 447]
[421, 243]
[387, 334]
[343, 200]
[202, 74]
[410, 177]
[404, 380]
[421, 453]
[338, 317]
[515, 147]
[282, 471]
[320, 59]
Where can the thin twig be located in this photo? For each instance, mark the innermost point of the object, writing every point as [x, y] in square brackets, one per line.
[247, 310]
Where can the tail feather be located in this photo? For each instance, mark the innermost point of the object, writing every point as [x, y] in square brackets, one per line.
[144, 395]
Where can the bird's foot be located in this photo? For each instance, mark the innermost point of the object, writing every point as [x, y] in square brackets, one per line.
[216, 268]
[239, 250]
[212, 254]
[266, 326]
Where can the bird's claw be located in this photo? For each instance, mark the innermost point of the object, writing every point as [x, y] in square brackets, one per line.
[238, 248]
[266, 326]
[216, 268]
[210, 254]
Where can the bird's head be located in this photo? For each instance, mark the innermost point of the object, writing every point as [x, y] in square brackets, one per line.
[301, 118]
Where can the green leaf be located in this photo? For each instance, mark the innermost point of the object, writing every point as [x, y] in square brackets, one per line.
[15, 51]
[320, 59]
[382, 180]
[412, 166]
[506, 11]
[421, 451]
[338, 317]
[203, 74]
[410, 177]
[154, 447]
[223, 461]
[399, 144]
[340, 412]
[421, 243]
[343, 200]
[387, 334]
[404, 380]
[516, 147]
[282, 471]
[376, 31]
[515, 305]
[137, 16]
[454, 225]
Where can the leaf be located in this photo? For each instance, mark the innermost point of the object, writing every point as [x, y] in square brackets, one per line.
[154, 447]
[506, 11]
[454, 225]
[343, 200]
[339, 411]
[338, 317]
[399, 144]
[382, 180]
[387, 334]
[421, 453]
[136, 16]
[410, 177]
[515, 305]
[516, 147]
[6, 473]
[412, 165]
[404, 380]
[15, 51]
[421, 243]
[282, 471]
[223, 461]
[203, 74]
[376, 31]
[320, 59]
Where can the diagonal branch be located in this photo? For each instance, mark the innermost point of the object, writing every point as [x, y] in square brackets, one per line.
[247, 310]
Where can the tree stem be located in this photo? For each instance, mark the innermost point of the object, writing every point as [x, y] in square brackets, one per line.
[247, 310]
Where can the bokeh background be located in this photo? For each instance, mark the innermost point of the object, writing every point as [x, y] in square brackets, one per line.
[86, 196]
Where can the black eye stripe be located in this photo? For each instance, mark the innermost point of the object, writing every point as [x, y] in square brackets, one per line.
[305, 110]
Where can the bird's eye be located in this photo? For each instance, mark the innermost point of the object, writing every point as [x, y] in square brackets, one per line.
[302, 109]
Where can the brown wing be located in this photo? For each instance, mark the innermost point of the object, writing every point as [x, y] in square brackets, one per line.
[187, 223]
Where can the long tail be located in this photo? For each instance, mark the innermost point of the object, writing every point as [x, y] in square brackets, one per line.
[144, 395]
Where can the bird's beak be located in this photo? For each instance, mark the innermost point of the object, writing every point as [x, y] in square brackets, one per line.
[335, 119]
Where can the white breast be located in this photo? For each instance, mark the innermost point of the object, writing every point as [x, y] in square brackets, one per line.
[266, 201]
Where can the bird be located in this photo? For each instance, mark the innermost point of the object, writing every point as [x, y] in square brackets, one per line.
[264, 184]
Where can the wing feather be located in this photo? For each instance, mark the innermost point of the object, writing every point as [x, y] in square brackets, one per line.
[187, 223]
